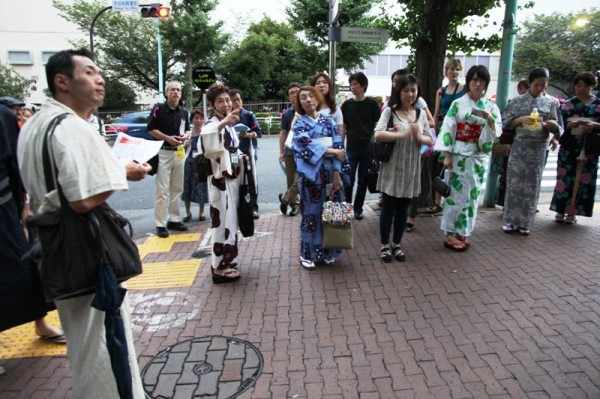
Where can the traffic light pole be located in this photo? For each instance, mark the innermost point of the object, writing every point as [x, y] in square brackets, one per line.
[160, 65]
[92, 27]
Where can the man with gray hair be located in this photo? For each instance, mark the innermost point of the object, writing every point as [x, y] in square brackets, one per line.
[169, 122]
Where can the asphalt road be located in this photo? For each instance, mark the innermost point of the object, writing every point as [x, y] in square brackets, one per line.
[137, 204]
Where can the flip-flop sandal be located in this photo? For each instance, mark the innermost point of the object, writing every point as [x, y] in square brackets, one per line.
[465, 240]
[228, 276]
[455, 245]
[55, 339]
[558, 218]
[570, 219]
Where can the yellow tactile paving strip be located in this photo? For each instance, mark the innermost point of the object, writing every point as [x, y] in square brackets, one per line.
[22, 341]
[179, 273]
[156, 244]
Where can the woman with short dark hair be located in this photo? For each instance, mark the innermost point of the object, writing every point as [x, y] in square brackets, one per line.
[194, 189]
[576, 181]
[465, 140]
[527, 157]
[220, 144]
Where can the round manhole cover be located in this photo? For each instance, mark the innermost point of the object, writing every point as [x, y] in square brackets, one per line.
[215, 366]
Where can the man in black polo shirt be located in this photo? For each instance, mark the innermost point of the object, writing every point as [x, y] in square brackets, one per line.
[169, 122]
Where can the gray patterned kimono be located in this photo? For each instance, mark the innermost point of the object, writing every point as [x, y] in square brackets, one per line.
[527, 158]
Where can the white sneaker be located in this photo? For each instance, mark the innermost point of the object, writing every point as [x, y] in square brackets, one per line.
[328, 261]
[307, 264]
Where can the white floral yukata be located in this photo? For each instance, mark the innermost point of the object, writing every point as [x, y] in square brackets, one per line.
[468, 160]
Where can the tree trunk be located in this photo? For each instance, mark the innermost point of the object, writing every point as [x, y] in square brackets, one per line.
[430, 53]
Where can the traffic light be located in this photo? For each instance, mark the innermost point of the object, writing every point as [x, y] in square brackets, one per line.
[155, 10]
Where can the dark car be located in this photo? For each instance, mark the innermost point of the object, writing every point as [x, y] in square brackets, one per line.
[133, 124]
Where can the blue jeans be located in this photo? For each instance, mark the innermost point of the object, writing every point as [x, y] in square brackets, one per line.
[361, 160]
[394, 210]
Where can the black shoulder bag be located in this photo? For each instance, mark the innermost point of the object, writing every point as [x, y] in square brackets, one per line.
[244, 210]
[381, 152]
[72, 248]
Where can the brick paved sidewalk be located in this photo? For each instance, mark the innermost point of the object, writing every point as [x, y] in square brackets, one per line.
[513, 317]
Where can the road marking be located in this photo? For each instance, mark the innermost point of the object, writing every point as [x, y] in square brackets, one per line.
[21, 341]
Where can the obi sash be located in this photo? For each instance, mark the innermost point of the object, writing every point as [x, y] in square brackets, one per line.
[468, 133]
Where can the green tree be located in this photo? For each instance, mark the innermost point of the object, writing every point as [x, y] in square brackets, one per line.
[128, 45]
[195, 40]
[14, 84]
[311, 17]
[125, 44]
[554, 41]
[267, 60]
[119, 96]
[431, 29]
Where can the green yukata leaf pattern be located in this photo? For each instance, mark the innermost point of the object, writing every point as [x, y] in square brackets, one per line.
[455, 182]
[453, 110]
[487, 147]
[448, 139]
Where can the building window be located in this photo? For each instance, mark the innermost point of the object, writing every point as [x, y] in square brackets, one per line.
[383, 67]
[46, 55]
[371, 67]
[395, 63]
[484, 60]
[16, 57]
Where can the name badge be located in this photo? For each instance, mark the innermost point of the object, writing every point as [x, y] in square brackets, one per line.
[235, 159]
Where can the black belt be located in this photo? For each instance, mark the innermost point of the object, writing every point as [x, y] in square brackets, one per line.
[168, 148]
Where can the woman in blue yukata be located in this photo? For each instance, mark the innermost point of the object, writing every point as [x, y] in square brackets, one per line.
[322, 164]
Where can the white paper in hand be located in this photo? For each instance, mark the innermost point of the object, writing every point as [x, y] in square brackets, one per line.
[134, 149]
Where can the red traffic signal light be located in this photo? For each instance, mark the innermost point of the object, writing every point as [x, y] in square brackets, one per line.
[155, 10]
[164, 12]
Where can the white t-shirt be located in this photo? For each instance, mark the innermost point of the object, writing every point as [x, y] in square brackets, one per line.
[337, 116]
[86, 165]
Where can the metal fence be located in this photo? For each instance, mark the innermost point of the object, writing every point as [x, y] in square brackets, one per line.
[268, 114]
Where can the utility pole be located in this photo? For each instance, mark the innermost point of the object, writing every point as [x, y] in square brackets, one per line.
[335, 10]
[506, 56]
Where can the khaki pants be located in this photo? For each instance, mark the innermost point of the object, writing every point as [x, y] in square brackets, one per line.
[84, 328]
[169, 186]
[291, 196]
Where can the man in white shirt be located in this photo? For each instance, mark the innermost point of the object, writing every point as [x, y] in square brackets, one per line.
[88, 173]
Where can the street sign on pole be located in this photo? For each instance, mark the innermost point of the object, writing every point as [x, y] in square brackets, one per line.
[203, 77]
[364, 35]
[335, 10]
[125, 5]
